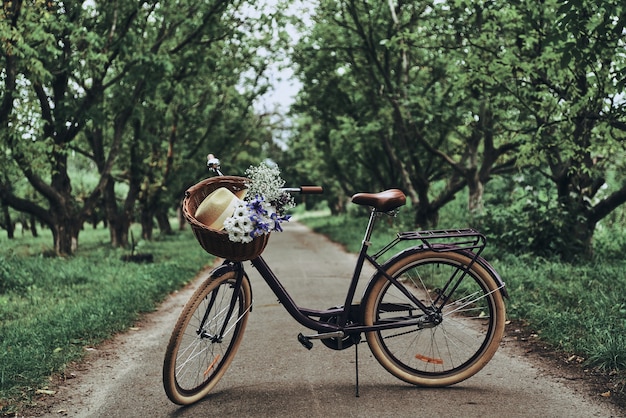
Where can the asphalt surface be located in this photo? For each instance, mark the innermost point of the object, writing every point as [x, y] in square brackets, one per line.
[273, 375]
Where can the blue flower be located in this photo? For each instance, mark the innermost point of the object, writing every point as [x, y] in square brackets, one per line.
[278, 220]
[257, 205]
[260, 229]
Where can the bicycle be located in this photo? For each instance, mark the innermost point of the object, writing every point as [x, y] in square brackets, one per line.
[433, 314]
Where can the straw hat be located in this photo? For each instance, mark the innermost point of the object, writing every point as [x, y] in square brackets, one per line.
[216, 208]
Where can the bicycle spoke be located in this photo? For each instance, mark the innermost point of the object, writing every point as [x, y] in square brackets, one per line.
[198, 355]
[458, 325]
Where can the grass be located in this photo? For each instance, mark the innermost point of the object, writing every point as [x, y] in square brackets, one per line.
[51, 309]
[576, 308]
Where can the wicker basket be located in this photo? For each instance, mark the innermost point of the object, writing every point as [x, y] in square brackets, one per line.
[213, 241]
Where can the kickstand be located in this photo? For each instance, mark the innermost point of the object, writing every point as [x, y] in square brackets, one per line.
[356, 368]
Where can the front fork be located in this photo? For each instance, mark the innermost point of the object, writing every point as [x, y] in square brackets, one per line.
[227, 266]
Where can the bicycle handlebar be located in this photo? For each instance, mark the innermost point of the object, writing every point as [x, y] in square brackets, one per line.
[213, 164]
[305, 189]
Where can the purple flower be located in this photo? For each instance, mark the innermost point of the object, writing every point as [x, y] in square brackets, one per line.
[278, 220]
[260, 229]
[257, 206]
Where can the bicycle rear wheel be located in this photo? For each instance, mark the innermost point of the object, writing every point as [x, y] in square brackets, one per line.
[457, 339]
[206, 338]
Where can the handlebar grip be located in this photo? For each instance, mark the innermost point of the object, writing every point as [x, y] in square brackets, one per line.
[311, 190]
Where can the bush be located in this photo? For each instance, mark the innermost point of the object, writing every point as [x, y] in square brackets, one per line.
[523, 217]
[13, 274]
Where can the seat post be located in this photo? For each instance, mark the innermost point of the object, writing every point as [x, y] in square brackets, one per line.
[370, 227]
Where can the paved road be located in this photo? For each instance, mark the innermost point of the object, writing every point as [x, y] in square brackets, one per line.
[273, 375]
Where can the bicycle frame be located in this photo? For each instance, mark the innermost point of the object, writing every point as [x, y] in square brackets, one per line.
[304, 315]
[471, 244]
[348, 315]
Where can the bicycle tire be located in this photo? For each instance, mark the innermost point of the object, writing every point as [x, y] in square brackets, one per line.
[435, 355]
[195, 359]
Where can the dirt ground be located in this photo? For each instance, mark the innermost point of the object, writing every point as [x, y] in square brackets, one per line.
[592, 383]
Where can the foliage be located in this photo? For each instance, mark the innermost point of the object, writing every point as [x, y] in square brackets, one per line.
[461, 91]
[133, 90]
[523, 216]
[399, 102]
[571, 83]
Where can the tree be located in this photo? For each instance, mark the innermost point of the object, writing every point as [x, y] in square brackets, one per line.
[419, 93]
[40, 73]
[90, 81]
[570, 82]
[404, 108]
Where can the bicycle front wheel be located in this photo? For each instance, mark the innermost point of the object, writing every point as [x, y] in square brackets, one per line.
[206, 338]
[455, 338]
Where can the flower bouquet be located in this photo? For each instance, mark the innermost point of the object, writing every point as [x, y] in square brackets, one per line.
[232, 217]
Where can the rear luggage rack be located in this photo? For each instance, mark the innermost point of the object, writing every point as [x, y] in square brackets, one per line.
[441, 240]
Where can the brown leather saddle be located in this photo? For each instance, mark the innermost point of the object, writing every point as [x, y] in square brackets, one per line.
[384, 201]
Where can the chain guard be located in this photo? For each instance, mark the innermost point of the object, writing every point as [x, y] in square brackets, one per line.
[337, 343]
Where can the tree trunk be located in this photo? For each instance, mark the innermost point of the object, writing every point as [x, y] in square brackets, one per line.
[426, 215]
[66, 224]
[576, 230]
[118, 231]
[65, 233]
[182, 223]
[64, 210]
[337, 204]
[164, 222]
[583, 234]
[118, 220]
[33, 226]
[476, 191]
[8, 222]
[425, 218]
[147, 225]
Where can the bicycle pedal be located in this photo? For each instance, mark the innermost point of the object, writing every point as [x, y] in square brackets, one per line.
[305, 341]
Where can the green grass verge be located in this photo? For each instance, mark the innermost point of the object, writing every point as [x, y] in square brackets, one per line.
[52, 308]
[577, 308]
